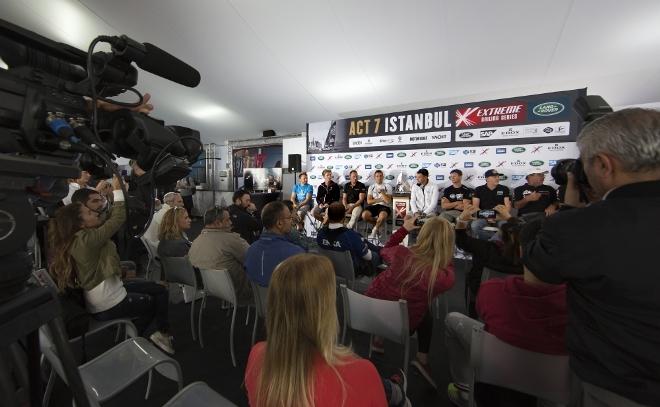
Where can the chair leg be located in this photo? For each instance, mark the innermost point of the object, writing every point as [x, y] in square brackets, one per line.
[49, 387]
[247, 316]
[231, 337]
[371, 340]
[406, 355]
[148, 272]
[254, 329]
[151, 373]
[192, 316]
[199, 321]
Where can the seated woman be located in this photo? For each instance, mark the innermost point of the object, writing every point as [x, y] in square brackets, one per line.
[417, 274]
[500, 255]
[85, 257]
[301, 364]
[171, 234]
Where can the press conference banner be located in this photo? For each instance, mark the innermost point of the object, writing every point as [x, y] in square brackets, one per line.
[542, 118]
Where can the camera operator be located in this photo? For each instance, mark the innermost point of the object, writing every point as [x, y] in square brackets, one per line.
[486, 197]
[606, 253]
[86, 258]
[534, 199]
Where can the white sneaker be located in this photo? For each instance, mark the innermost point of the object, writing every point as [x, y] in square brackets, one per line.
[163, 341]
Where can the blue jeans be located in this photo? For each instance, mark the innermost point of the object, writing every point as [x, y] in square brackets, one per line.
[477, 226]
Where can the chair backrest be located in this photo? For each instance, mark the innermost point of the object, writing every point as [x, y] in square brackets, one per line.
[198, 394]
[342, 263]
[388, 319]
[151, 250]
[260, 296]
[179, 270]
[43, 277]
[217, 283]
[498, 363]
[488, 273]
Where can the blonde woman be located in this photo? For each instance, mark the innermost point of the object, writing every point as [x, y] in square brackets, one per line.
[417, 275]
[301, 364]
[171, 234]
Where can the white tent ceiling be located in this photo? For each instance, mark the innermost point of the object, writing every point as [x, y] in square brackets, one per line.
[279, 64]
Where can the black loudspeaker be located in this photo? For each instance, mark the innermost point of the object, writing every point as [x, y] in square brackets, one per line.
[269, 133]
[295, 163]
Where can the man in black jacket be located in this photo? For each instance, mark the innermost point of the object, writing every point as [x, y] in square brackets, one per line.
[606, 253]
[327, 193]
[242, 216]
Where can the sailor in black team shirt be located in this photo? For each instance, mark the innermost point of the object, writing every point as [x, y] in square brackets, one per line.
[535, 199]
[327, 193]
[487, 197]
[455, 197]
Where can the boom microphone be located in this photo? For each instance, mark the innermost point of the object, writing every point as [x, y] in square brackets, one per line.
[153, 59]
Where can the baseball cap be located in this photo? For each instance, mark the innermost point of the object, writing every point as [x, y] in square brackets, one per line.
[492, 173]
[536, 171]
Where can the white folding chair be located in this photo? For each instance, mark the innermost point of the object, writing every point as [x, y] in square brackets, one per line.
[260, 295]
[498, 363]
[153, 256]
[179, 270]
[117, 368]
[387, 319]
[218, 283]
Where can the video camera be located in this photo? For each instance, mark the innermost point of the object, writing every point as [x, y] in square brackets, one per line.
[51, 126]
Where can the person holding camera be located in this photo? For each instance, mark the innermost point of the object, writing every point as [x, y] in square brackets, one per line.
[534, 199]
[486, 197]
[86, 258]
[606, 253]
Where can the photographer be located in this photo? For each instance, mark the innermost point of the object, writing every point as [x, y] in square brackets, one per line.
[86, 258]
[502, 256]
[605, 252]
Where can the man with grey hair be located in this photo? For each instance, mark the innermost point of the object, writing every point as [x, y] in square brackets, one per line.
[217, 248]
[170, 200]
[606, 254]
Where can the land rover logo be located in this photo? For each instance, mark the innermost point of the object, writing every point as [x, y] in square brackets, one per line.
[329, 167]
[401, 155]
[548, 109]
[379, 166]
[503, 177]
[389, 177]
[518, 149]
[484, 164]
[321, 158]
[466, 134]
[312, 176]
[348, 157]
[536, 163]
[439, 153]
[413, 165]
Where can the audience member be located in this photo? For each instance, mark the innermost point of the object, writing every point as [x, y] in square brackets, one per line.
[295, 235]
[301, 363]
[379, 199]
[273, 246]
[242, 216]
[173, 241]
[301, 196]
[486, 197]
[76, 184]
[335, 236]
[417, 274]
[217, 247]
[605, 252]
[170, 200]
[519, 310]
[424, 195]
[455, 197]
[535, 199]
[327, 193]
[85, 257]
[186, 187]
[500, 255]
[355, 193]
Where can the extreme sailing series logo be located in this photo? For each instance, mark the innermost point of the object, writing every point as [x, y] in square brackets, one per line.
[474, 116]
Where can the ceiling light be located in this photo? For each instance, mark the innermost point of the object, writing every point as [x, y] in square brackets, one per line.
[208, 112]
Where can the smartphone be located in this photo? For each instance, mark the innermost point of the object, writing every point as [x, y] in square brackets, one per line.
[487, 214]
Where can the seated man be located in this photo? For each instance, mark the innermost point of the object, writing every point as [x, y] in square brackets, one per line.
[170, 200]
[327, 193]
[301, 196]
[335, 236]
[423, 195]
[355, 193]
[535, 199]
[217, 248]
[273, 247]
[379, 199]
[455, 196]
[522, 311]
[242, 216]
[487, 197]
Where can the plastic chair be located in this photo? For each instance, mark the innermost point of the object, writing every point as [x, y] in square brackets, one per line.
[345, 270]
[260, 295]
[117, 368]
[440, 306]
[387, 319]
[198, 394]
[179, 270]
[217, 283]
[498, 363]
[152, 254]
